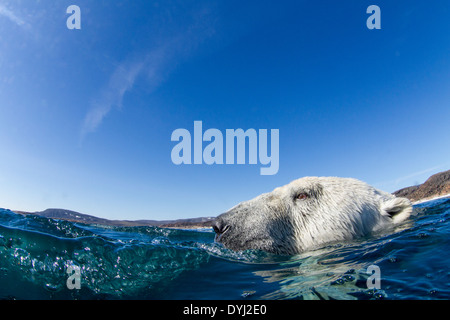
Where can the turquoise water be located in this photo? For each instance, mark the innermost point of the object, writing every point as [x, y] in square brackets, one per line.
[36, 254]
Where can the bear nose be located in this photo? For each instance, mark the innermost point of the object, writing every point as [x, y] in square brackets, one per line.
[220, 226]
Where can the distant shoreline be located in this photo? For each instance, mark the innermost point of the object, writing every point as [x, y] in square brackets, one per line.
[77, 217]
[435, 187]
[431, 199]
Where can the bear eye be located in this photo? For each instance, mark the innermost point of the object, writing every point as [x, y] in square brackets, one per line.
[301, 196]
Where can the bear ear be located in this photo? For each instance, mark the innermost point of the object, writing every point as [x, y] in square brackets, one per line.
[399, 209]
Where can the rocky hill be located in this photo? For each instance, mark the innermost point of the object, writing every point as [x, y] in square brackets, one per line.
[437, 185]
[74, 216]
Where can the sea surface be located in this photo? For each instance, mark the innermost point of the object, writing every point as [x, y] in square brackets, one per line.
[41, 258]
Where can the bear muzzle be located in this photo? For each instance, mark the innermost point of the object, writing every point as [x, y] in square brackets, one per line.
[220, 228]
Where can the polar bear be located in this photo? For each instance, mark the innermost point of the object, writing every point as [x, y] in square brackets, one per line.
[308, 213]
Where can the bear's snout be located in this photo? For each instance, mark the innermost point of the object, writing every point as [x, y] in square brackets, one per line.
[220, 227]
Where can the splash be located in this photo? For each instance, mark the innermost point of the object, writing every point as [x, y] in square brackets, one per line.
[36, 254]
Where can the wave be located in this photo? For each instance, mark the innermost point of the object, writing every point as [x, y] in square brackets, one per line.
[35, 253]
[160, 263]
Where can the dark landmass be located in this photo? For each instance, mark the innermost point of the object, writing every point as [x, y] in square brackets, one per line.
[437, 185]
[69, 215]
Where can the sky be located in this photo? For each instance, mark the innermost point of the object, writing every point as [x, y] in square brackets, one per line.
[87, 115]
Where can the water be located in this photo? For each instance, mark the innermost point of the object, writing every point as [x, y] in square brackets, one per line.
[157, 263]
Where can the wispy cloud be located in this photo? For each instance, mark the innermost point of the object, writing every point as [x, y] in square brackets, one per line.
[153, 67]
[409, 178]
[416, 174]
[5, 12]
[111, 96]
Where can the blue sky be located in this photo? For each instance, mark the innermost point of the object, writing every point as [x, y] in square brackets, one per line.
[86, 116]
